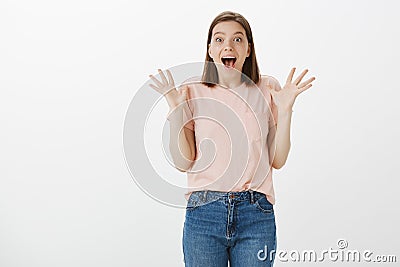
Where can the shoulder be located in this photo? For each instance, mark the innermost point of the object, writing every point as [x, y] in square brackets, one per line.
[193, 85]
[269, 81]
[192, 81]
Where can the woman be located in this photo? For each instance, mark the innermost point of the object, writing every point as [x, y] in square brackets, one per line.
[229, 214]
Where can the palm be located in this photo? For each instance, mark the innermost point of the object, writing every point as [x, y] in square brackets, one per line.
[167, 88]
[285, 98]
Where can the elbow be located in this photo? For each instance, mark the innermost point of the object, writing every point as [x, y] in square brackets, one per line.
[279, 159]
[183, 166]
[276, 164]
[181, 170]
[182, 162]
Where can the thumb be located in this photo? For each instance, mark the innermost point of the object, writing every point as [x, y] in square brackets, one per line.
[184, 92]
[272, 91]
[181, 96]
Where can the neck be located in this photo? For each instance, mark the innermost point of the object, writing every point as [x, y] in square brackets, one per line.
[231, 80]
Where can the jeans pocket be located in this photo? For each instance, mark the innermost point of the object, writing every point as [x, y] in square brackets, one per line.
[192, 202]
[264, 205]
[191, 206]
[196, 201]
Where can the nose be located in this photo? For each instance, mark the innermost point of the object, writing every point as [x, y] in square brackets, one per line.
[228, 48]
[228, 45]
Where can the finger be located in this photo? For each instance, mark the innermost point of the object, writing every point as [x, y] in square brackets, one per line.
[290, 77]
[184, 93]
[155, 80]
[298, 80]
[270, 88]
[306, 82]
[303, 89]
[162, 76]
[272, 91]
[171, 80]
[155, 88]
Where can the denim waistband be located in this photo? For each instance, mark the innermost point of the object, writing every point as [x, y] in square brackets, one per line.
[206, 196]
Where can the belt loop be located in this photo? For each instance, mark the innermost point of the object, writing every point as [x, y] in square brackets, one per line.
[251, 196]
[205, 195]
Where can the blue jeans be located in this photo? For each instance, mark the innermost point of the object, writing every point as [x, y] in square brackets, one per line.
[234, 227]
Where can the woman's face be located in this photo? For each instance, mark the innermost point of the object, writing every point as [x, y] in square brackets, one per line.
[229, 46]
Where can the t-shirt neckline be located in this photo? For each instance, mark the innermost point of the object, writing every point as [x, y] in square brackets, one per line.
[233, 88]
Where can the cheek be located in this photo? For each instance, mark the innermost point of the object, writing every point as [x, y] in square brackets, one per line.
[213, 51]
[216, 47]
[242, 49]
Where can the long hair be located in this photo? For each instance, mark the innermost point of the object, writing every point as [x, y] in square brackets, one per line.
[250, 67]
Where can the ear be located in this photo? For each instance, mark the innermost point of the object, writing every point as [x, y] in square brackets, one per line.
[248, 50]
[209, 51]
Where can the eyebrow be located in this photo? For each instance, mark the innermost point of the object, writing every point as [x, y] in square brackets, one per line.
[233, 34]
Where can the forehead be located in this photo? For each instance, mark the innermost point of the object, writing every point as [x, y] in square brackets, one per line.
[228, 27]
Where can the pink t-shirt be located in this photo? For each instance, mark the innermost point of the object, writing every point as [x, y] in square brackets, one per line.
[231, 127]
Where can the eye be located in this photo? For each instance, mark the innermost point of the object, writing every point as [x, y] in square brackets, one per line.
[218, 39]
[237, 39]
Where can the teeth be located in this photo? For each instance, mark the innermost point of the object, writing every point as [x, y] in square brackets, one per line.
[228, 61]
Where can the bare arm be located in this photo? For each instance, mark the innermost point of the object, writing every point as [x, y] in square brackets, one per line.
[279, 140]
[182, 141]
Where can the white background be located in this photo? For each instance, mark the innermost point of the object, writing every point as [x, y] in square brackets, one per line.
[69, 69]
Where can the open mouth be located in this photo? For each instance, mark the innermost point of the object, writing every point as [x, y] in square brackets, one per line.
[229, 62]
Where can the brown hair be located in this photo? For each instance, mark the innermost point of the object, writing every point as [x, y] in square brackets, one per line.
[250, 67]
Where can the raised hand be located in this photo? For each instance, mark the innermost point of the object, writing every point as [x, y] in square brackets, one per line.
[284, 99]
[167, 88]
